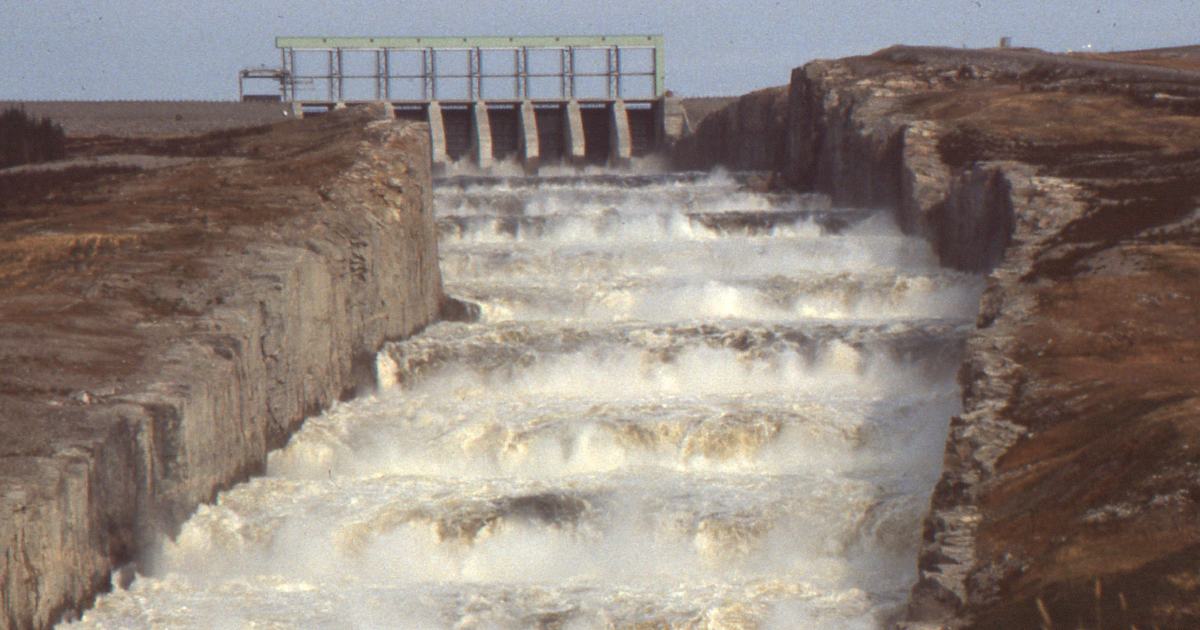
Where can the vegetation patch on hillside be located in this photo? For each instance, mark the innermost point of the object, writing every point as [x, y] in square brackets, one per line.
[27, 140]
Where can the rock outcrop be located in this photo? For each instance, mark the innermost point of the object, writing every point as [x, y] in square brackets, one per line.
[740, 136]
[1070, 495]
[161, 330]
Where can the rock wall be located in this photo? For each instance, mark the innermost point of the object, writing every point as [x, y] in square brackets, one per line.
[1070, 182]
[312, 248]
[838, 141]
[740, 136]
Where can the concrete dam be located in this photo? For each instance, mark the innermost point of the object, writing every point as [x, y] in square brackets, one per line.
[575, 99]
[834, 369]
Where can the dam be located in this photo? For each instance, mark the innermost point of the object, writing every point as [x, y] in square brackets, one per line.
[597, 99]
[686, 403]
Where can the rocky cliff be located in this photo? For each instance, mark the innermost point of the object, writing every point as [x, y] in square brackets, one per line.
[742, 135]
[162, 328]
[1070, 493]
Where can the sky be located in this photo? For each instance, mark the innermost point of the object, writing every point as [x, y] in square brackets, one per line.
[167, 49]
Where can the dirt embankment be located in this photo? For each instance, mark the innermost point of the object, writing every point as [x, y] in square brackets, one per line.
[163, 324]
[1070, 494]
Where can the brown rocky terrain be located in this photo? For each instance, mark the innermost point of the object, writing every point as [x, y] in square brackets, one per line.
[159, 119]
[1179, 57]
[166, 320]
[1070, 494]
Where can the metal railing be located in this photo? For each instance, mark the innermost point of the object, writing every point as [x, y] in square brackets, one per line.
[616, 71]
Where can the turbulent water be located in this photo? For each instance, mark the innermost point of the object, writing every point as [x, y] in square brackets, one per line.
[686, 405]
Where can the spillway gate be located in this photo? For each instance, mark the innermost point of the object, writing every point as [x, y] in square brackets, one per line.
[582, 99]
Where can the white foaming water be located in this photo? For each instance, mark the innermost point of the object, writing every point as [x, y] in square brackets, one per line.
[688, 405]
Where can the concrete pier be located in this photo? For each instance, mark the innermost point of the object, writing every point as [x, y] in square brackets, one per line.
[620, 143]
[574, 144]
[671, 123]
[437, 136]
[481, 135]
[575, 131]
[530, 150]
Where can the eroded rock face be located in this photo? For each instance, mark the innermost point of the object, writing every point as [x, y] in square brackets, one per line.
[162, 330]
[1069, 495]
[741, 136]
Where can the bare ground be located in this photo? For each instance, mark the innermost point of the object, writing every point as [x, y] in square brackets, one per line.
[1093, 518]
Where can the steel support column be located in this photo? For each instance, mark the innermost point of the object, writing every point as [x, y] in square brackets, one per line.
[571, 59]
[608, 72]
[470, 74]
[517, 74]
[525, 64]
[330, 77]
[562, 73]
[479, 73]
[378, 74]
[387, 74]
[433, 92]
[291, 78]
[425, 74]
[341, 97]
[617, 55]
[283, 83]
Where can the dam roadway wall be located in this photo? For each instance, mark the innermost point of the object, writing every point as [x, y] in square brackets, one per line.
[1069, 495]
[163, 328]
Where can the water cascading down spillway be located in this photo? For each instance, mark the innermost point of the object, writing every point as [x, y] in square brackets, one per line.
[686, 405]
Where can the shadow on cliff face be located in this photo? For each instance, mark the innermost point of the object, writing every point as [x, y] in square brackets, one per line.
[456, 310]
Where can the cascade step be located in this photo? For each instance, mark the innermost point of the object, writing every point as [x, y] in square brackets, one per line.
[755, 222]
[769, 298]
[654, 359]
[676, 252]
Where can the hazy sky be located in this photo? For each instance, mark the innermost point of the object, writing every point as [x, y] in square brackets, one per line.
[113, 49]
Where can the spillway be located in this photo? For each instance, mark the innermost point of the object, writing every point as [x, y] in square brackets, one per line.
[686, 404]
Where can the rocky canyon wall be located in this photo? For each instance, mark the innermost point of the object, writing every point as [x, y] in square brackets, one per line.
[1069, 493]
[740, 136]
[163, 327]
